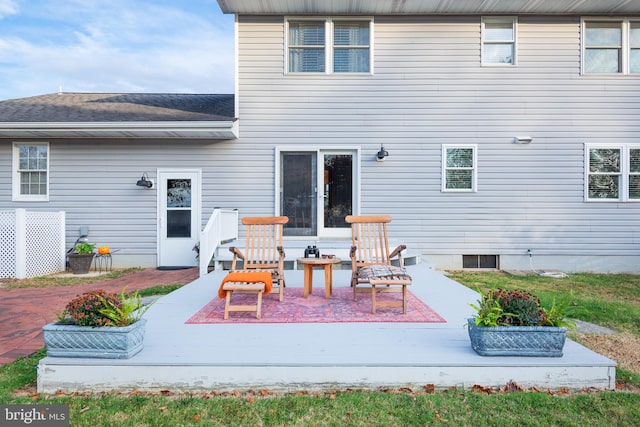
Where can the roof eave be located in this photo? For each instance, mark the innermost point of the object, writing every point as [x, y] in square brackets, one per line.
[429, 7]
[216, 130]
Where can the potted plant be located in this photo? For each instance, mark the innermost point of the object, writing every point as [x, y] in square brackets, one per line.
[98, 324]
[514, 323]
[81, 257]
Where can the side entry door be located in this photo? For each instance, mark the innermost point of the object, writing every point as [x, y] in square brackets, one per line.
[179, 216]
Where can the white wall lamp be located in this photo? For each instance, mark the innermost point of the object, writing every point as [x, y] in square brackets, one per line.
[381, 154]
[522, 140]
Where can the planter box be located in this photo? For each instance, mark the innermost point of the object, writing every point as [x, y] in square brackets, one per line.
[105, 342]
[543, 341]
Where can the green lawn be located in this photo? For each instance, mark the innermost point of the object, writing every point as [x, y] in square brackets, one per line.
[611, 300]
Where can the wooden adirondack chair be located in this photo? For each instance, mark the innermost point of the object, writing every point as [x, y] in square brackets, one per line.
[263, 250]
[371, 261]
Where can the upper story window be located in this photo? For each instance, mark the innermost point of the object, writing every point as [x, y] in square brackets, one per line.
[499, 40]
[613, 173]
[634, 44]
[329, 46]
[459, 169]
[611, 46]
[31, 172]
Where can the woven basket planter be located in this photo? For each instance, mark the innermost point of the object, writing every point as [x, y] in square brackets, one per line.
[542, 341]
[105, 342]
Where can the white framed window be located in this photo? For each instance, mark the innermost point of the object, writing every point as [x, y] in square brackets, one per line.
[499, 35]
[31, 171]
[634, 46]
[612, 173]
[610, 46]
[329, 46]
[459, 170]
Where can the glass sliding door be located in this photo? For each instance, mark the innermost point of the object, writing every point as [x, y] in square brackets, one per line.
[317, 190]
[338, 189]
[299, 192]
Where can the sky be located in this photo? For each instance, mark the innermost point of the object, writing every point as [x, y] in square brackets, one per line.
[151, 46]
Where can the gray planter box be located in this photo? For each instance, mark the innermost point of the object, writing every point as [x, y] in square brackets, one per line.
[106, 342]
[542, 341]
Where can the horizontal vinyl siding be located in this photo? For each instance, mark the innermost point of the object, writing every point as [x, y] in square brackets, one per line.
[95, 183]
[429, 89]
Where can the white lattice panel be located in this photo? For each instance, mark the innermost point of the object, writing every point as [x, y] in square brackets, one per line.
[44, 243]
[7, 244]
[34, 249]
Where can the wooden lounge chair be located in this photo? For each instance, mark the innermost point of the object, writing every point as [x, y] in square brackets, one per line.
[263, 250]
[371, 261]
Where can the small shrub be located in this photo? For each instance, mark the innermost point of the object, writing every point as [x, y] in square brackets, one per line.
[86, 309]
[520, 308]
[500, 307]
[84, 248]
[101, 308]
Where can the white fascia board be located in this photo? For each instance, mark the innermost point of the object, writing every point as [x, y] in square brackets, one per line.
[171, 129]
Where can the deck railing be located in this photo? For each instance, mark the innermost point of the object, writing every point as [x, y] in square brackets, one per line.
[221, 227]
[31, 243]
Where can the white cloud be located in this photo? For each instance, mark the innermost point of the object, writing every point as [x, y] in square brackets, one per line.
[119, 46]
[8, 7]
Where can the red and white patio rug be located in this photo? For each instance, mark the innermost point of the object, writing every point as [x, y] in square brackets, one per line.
[316, 309]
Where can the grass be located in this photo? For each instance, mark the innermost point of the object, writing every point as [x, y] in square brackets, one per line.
[159, 290]
[480, 407]
[333, 408]
[611, 300]
[58, 280]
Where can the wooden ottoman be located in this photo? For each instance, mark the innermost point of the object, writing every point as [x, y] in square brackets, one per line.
[245, 282]
[243, 288]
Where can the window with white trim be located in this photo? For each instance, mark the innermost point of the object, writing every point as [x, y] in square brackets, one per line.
[612, 173]
[610, 46]
[499, 40]
[31, 172]
[459, 169]
[329, 46]
[634, 46]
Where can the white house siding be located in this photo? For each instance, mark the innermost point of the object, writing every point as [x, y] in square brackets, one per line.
[429, 89]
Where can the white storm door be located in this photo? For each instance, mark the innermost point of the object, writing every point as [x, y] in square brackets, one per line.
[178, 216]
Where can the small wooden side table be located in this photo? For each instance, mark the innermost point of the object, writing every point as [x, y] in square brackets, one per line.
[327, 264]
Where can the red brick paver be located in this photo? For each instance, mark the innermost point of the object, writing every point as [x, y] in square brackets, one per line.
[23, 312]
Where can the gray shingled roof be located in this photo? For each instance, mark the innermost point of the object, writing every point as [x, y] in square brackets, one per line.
[117, 107]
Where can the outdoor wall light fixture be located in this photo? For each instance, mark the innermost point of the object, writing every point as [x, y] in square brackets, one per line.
[381, 154]
[144, 181]
[522, 140]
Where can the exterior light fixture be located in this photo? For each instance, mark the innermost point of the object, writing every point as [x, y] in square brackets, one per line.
[522, 140]
[381, 154]
[144, 181]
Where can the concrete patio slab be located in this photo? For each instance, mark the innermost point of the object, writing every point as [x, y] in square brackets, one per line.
[312, 356]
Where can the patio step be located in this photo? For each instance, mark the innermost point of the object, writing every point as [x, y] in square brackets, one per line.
[295, 249]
